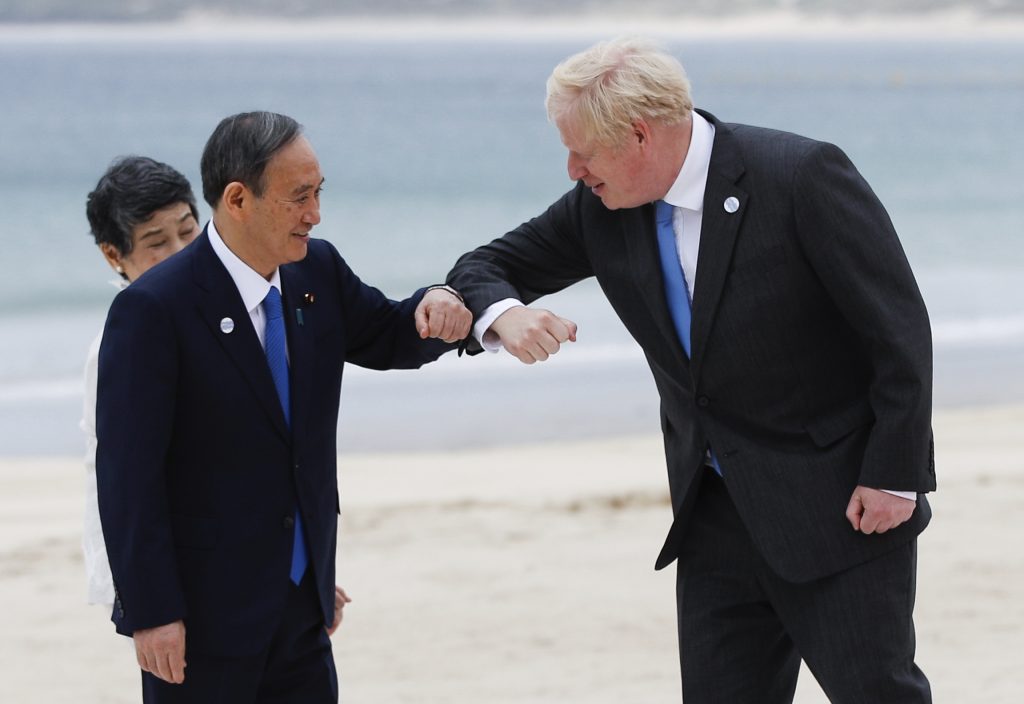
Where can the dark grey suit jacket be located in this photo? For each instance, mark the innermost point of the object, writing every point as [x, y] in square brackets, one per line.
[811, 369]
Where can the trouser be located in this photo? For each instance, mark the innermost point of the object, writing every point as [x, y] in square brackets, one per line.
[297, 666]
[743, 629]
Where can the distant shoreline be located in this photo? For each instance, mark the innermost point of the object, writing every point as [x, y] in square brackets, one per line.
[947, 25]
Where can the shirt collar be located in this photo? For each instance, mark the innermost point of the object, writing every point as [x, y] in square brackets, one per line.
[688, 189]
[252, 287]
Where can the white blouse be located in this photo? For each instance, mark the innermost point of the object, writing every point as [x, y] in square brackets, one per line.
[99, 583]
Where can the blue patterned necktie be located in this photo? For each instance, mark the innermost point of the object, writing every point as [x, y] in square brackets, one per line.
[676, 293]
[274, 344]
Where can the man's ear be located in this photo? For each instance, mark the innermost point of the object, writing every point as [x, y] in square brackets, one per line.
[641, 133]
[236, 200]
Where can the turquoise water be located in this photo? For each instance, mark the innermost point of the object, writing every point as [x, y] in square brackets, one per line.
[431, 147]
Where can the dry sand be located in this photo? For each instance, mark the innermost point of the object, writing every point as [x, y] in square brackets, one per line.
[525, 575]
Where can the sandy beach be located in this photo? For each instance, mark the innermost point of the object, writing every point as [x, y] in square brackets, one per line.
[525, 574]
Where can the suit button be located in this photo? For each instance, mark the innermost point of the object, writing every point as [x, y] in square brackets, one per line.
[289, 522]
[703, 401]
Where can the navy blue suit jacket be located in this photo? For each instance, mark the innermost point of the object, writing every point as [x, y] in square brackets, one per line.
[198, 474]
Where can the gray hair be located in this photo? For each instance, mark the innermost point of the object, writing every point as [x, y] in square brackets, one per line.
[239, 150]
[607, 87]
[128, 193]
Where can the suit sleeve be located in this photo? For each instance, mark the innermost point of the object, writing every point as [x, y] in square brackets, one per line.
[134, 420]
[852, 245]
[381, 332]
[539, 257]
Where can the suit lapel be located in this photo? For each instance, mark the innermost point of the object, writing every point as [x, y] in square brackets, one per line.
[298, 323]
[222, 304]
[718, 232]
[644, 260]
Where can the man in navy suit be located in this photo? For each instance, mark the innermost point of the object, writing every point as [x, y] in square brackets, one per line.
[791, 349]
[219, 385]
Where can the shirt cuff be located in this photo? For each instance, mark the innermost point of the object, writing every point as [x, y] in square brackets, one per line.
[909, 495]
[488, 339]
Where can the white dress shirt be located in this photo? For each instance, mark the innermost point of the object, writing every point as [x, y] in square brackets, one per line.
[251, 286]
[687, 197]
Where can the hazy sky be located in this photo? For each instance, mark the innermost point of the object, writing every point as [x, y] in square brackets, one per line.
[120, 10]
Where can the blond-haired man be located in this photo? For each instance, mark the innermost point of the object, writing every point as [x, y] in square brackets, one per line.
[792, 353]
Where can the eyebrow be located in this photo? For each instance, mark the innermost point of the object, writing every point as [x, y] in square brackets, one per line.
[158, 230]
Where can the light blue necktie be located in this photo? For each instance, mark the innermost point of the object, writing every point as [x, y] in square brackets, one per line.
[274, 343]
[677, 294]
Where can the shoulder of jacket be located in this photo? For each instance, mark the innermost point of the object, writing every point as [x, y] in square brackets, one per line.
[751, 135]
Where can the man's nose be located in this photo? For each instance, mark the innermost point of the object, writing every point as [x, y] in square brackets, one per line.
[312, 216]
[576, 168]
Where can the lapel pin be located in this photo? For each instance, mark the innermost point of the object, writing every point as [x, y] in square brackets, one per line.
[309, 299]
[227, 325]
[298, 317]
[731, 204]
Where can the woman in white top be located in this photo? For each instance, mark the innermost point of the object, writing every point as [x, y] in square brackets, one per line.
[141, 212]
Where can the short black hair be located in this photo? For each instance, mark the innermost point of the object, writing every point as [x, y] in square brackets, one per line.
[240, 148]
[131, 190]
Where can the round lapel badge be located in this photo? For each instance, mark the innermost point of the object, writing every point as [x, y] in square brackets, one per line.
[227, 325]
[731, 204]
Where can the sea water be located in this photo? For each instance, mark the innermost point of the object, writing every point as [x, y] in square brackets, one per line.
[431, 147]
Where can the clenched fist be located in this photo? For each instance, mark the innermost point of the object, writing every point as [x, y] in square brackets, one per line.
[442, 314]
[532, 334]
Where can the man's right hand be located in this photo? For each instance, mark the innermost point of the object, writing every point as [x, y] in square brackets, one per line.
[161, 651]
[531, 334]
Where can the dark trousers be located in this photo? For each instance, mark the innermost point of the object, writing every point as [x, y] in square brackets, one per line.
[743, 630]
[298, 666]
